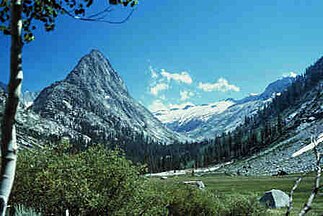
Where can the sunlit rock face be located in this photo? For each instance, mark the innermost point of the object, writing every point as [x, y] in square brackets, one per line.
[93, 100]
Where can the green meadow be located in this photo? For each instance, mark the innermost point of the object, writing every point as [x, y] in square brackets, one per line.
[257, 185]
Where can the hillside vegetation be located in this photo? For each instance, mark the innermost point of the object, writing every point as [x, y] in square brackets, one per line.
[102, 182]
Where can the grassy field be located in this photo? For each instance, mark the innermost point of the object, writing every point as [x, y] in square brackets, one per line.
[258, 185]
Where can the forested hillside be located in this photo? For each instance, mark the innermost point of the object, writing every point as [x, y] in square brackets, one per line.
[301, 103]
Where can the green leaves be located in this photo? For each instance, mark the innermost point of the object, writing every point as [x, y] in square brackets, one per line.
[5, 29]
[4, 3]
[125, 3]
[93, 182]
[49, 27]
[45, 12]
[28, 37]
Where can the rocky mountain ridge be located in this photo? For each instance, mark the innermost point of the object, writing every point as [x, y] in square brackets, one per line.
[93, 100]
[303, 121]
[207, 120]
[92, 105]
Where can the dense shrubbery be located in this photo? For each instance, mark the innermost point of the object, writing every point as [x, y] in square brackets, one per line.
[95, 181]
[102, 182]
[187, 200]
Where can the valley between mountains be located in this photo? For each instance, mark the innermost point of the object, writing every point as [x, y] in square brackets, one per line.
[255, 135]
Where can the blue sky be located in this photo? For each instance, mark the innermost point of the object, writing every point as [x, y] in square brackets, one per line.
[173, 52]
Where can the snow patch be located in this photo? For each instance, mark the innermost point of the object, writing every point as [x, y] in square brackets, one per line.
[185, 112]
[67, 104]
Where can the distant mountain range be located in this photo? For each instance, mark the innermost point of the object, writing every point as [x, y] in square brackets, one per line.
[92, 105]
[208, 120]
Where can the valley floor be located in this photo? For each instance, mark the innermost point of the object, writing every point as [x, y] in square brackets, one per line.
[257, 185]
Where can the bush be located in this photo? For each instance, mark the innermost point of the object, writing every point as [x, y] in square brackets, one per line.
[103, 182]
[188, 200]
[237, 204]
[96, 181]
[152, 199]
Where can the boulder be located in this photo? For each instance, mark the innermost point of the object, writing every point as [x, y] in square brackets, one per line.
[275, 199]
[198, 184]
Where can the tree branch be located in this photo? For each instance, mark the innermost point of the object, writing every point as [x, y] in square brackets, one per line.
[290, 205]
[107, 10]
[99, 19]
[307, 206]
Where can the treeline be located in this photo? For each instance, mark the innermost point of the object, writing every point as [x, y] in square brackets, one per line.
[268, 125]
[158, 156]
[255, 133]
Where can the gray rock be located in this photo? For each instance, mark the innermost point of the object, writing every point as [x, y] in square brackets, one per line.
[197, 183]
[275, 199]
[94, 101]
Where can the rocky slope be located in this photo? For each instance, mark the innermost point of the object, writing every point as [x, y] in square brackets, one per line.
[33, 130]
[27, 98]
[94, 101]
[205, 121]
[303, 121]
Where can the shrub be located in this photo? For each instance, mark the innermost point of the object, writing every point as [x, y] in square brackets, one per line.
[187, 200]
[237, 204]
[96, 181]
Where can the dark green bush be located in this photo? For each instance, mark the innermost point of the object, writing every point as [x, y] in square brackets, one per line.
[96, 181]
[187, 200]
[238, 204]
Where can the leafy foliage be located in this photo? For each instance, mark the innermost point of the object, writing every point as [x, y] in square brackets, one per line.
[98, 181]
[187, 200]
[46, 12]
[95, 181]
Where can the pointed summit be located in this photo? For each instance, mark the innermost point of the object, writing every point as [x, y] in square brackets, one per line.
[94, 101]
[95, 72]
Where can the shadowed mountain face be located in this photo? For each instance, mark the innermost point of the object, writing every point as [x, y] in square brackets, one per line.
[94, 101]
[271, 90]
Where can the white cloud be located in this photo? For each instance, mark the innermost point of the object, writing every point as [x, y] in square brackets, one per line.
[183, 77]
[157, 88]
[153, 73]
[186, 95]
[221, 85]
[157, 105]
[290, 74]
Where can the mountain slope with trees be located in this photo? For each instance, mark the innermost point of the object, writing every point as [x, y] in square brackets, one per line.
[290, 119]
[208, 120]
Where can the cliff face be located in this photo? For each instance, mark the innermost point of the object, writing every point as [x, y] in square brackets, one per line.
[94, 101]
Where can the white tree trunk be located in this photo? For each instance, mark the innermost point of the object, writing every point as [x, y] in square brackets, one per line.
[8, 139]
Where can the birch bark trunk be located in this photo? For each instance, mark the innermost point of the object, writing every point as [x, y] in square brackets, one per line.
[8, 138]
